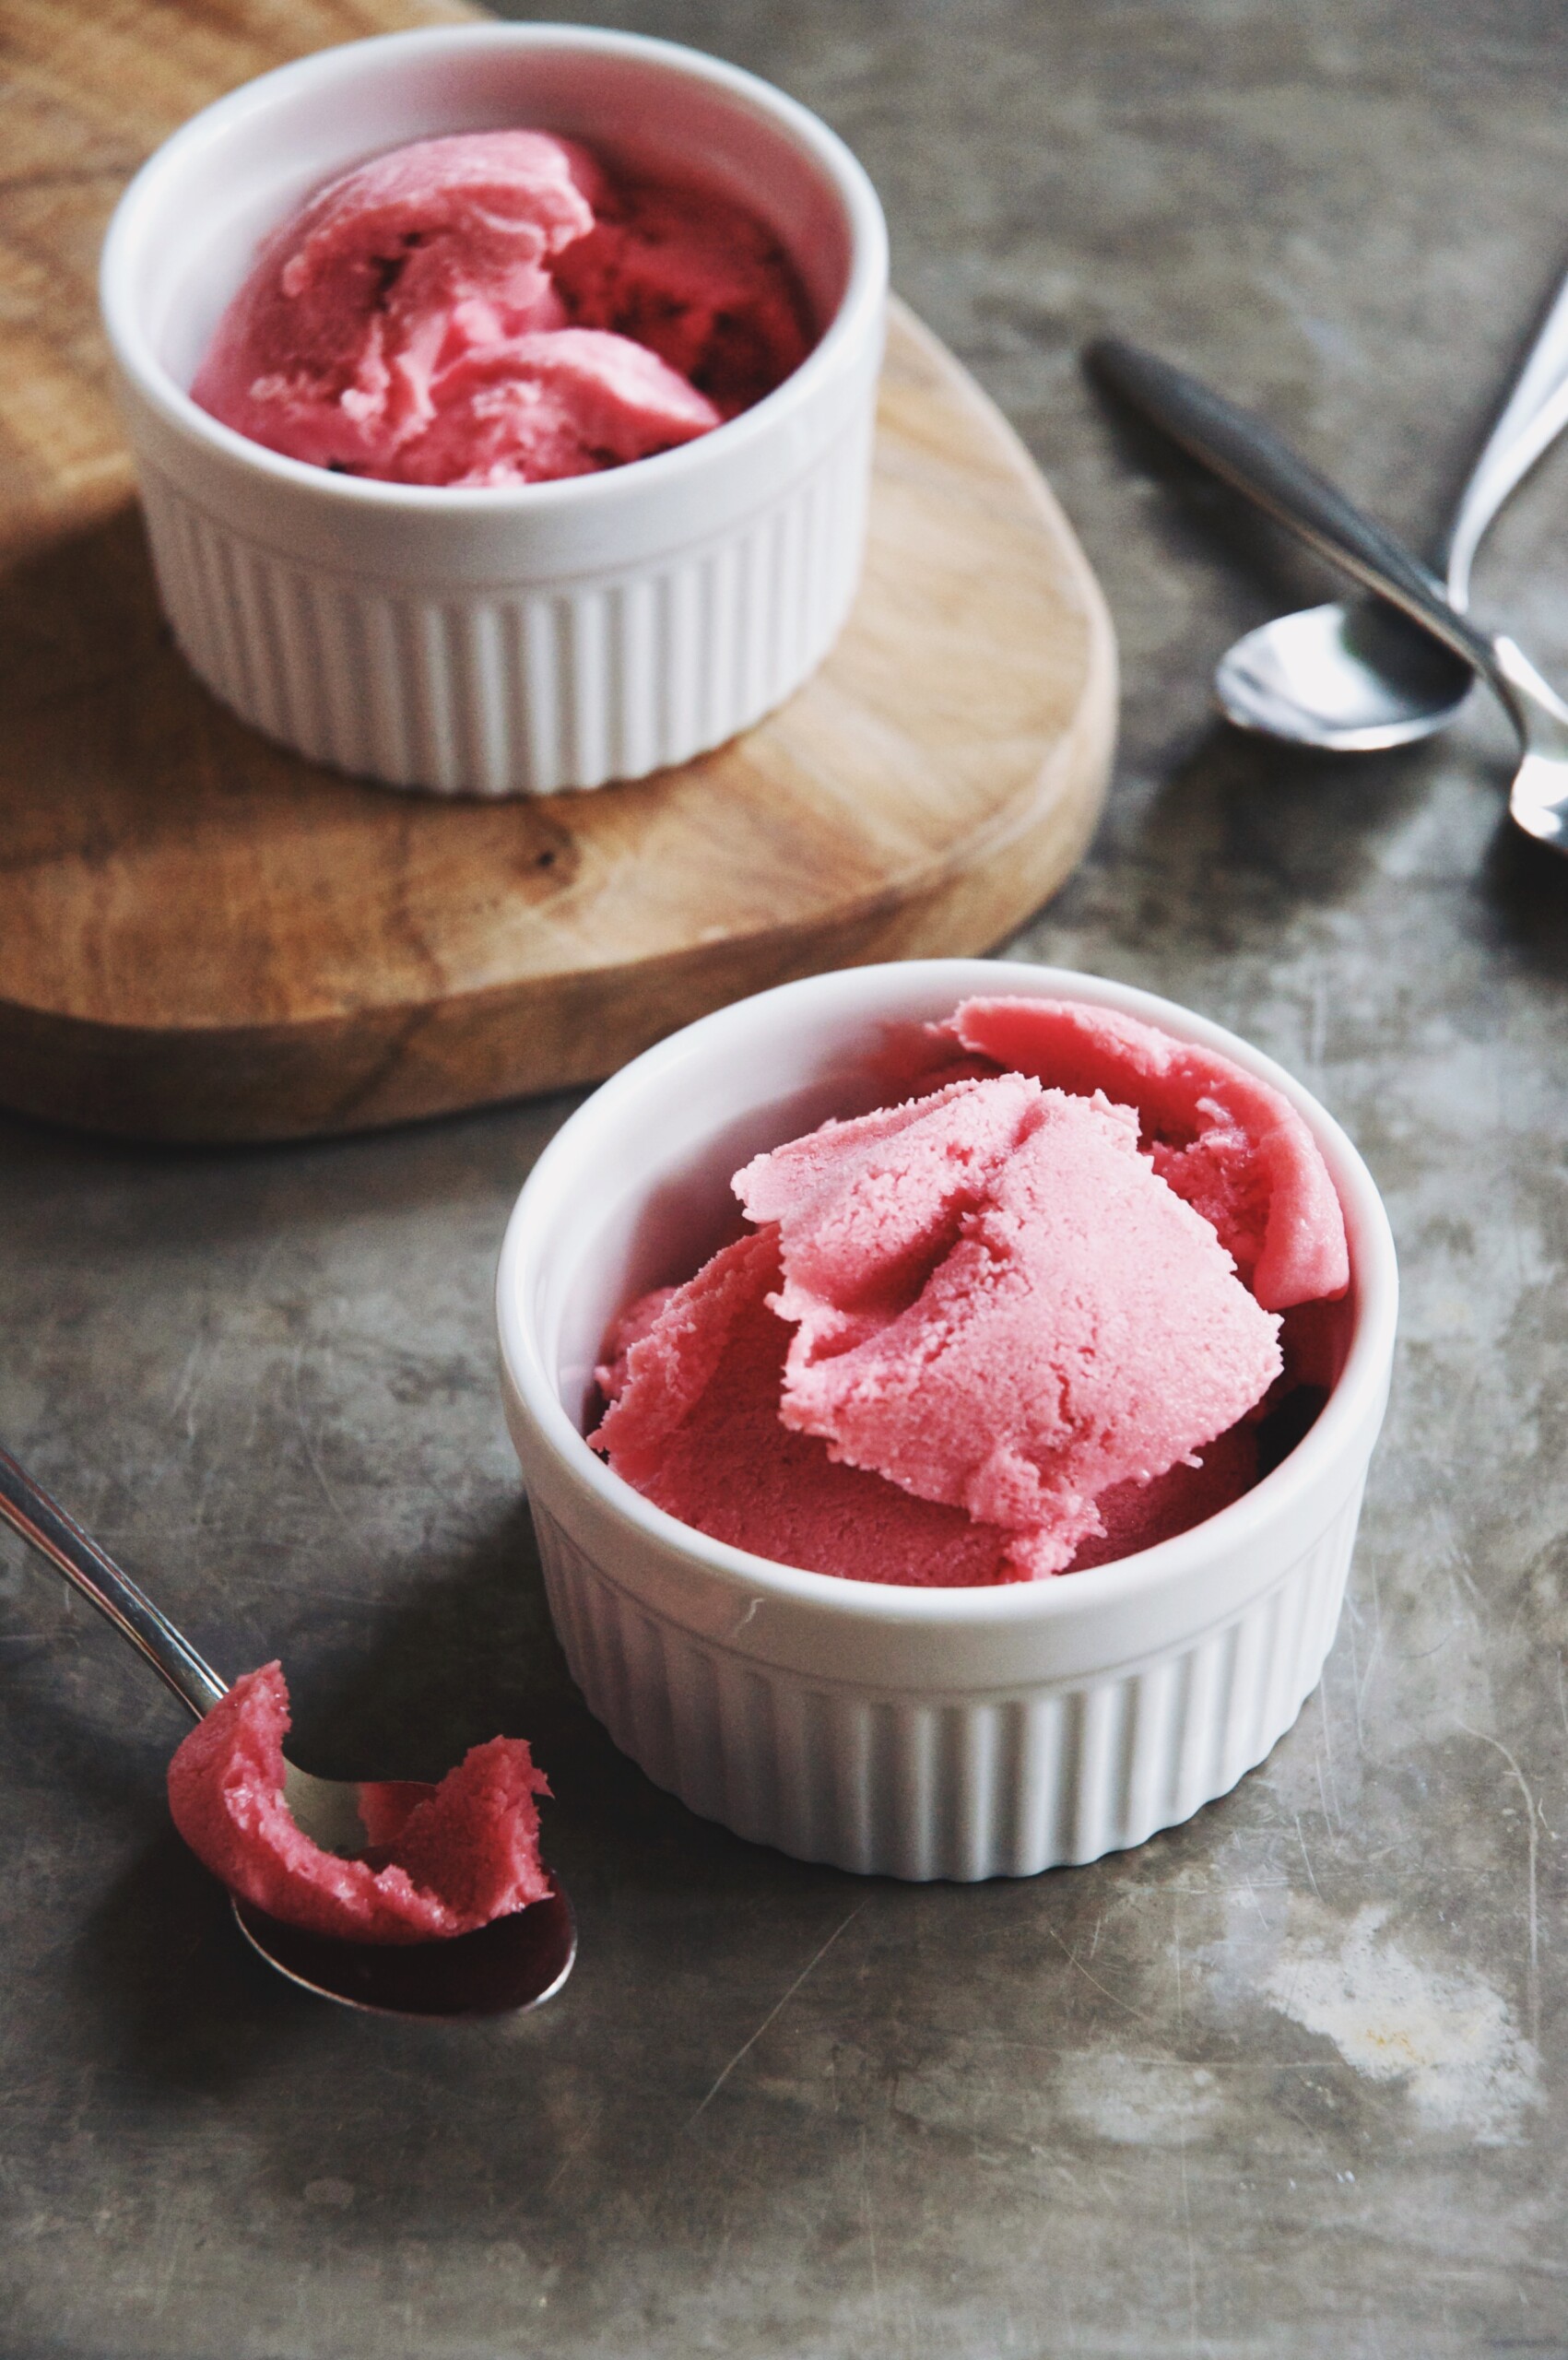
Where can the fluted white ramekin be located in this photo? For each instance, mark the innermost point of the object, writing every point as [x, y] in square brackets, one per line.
[908, 1733]
[501, 642]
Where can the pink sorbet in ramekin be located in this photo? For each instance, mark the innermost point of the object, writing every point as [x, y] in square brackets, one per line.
[955, 1728]
[501, 308]
[521, 509]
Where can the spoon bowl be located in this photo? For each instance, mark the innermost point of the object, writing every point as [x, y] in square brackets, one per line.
[512, 1965]
[1346, 678]
[505, 1969]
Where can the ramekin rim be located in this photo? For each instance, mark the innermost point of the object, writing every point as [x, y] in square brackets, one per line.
[1331, 1439]
[864, 293]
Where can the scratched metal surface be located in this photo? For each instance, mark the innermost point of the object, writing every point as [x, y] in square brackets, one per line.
[1288, 2082]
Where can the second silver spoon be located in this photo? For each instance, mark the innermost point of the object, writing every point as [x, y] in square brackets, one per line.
[1246, 452]
[1354, 676]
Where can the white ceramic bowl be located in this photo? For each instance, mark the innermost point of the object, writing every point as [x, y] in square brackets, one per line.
[501, 642]
[910, 1732]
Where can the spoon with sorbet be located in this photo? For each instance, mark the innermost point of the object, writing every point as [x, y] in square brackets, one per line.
[342, 1851]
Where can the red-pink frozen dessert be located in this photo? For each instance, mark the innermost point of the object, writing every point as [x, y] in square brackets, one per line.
[442, 1859]
[500, 308]
[1022, 1321]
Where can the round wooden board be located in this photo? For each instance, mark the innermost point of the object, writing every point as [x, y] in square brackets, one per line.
[204, 939]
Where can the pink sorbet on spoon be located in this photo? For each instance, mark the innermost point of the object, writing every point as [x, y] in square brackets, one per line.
[445, 1860]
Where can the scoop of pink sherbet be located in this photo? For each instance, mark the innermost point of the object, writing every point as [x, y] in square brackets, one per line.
[1041, 1318]
[693, 1376]
[1235, 1148]
[541, 408]
[413, 323]
[335, 348]
[451, 1857]
[865, 1208]
[713, 1451]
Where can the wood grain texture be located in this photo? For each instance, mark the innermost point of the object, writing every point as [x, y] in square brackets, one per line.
[90, 87]
[204, 938]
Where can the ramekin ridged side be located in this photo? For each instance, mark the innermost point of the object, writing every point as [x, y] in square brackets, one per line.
[946, 1783]
[520, 640]
[912, 1733]
[511, 690]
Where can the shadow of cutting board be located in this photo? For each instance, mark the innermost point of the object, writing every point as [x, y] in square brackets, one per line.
[202, 938]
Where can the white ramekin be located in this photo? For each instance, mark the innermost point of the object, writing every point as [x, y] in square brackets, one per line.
[905, 1732]
[501, 642]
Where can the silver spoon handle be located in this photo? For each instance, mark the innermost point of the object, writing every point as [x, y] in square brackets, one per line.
[1248, 455]
[26, 1508]
[1531, 421]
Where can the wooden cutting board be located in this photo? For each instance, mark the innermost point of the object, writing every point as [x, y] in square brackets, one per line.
[202, 938]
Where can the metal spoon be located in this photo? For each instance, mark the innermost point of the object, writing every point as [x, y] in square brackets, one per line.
[1249, 455]
[1354, 676]
[514, 1963]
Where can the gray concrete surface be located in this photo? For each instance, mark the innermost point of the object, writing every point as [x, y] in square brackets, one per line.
[1287, 2081]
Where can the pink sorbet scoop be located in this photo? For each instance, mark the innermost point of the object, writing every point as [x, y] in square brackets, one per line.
[1024, 1322]
[1233, 1146]
[1071, 1324]
[497, 308]
[444, 1860]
